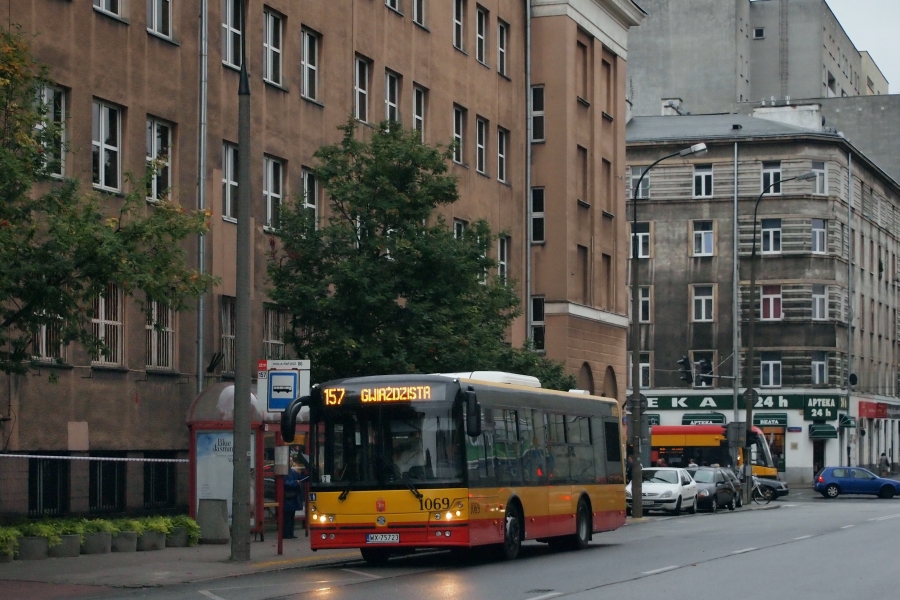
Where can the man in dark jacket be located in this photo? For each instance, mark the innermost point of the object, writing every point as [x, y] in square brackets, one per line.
[292, 491]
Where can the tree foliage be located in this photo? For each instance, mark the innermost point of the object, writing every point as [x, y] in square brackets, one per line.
[60, 247]
[376, 289]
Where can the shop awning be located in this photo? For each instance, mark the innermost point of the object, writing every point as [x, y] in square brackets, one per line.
[652, 419]
[770, 419]
[709, 418]
[847, 422]
[822, 432]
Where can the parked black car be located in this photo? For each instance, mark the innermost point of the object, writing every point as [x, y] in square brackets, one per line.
[738, 486]
[714, 488]
[773, 487]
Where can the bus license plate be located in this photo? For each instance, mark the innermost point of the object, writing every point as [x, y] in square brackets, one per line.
[382, 538]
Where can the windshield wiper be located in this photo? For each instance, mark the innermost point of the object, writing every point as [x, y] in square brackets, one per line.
[345, 492]
[414, 490]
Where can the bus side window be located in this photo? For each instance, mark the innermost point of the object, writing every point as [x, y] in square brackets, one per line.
[506, 447]
[558, 457]
[534, 455]
[613, 451]
[528, 460]
[581, 455]
[599, 446]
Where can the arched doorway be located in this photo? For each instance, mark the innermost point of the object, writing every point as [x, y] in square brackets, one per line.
[586, 378]
[610, 387]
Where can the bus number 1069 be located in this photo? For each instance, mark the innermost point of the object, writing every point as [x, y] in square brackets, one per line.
[434, 503]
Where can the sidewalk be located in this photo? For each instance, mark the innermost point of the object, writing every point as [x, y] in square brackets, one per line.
[169, 566]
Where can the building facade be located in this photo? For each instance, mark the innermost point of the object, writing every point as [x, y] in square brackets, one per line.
[827, 284]
[138, 79]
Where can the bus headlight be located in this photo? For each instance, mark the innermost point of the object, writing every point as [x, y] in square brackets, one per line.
[449, 515]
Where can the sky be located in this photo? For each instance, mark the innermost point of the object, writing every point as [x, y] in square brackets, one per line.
[873, 25]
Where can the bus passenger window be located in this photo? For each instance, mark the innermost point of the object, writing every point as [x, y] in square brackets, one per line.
[598, 444]
[614, 473]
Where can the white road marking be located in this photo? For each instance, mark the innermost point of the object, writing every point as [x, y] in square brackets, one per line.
[802, 537]
[545, 596]
[210, 595]
[885, 518]
[363, 574]
[846, 526]
[788, 505]
[744, 551]
[663, 570]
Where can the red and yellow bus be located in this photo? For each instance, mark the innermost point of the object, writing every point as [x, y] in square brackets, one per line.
[401, 462]
[678, 444]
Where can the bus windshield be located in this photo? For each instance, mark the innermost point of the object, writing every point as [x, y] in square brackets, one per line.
[360, 447]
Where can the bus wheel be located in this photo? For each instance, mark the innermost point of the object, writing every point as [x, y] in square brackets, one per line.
[582, 527]
[375, 556]
[512, 534]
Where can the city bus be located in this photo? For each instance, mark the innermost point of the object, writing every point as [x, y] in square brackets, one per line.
[401, 462]
[707, 444]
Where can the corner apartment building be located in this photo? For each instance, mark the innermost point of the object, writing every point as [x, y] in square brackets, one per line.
[746, 51]
[827, 278]
[142, 78]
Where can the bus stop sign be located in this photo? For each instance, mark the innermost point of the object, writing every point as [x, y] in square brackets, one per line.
[280, 381]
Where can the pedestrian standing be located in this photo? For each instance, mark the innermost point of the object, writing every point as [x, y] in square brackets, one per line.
[291, 500]
[883, 465]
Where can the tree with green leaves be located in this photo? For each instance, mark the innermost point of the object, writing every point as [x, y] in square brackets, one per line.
[60, 247]
[385, 285]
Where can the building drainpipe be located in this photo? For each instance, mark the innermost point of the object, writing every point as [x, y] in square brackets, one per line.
[528, 156]
[735, 309]
[850, 297]
[201, 186]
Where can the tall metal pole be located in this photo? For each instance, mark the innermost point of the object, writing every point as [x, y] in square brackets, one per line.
[240, 519]
[850, 291]
[735, 306]
[201, 187]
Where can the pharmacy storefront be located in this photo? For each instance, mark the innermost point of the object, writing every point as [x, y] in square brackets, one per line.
[806, 429]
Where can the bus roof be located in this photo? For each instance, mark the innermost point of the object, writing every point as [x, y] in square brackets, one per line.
[496, 377]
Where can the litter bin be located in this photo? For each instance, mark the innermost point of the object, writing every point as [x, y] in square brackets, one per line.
[212, 517]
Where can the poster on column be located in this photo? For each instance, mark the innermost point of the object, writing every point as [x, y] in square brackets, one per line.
[215, 474]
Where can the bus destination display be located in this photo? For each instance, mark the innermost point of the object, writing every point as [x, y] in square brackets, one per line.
[379, 395]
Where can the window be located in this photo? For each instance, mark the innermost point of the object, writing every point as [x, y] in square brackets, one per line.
[819, 368]
[502, 145]
[818, 236]
[393, 4]
[481, 24]
[160, 480]
[480, 142]
[419, 12]
[106, 141]
[703, 238]
[53, 106]
[703, 181]
[459, 229]
[419, 98]
[771, 302]
[361, 89]
[272, 180]
[274, 328]
[229, 181]
[159, 17]
[113, 7]
[644, 302]
[159, 160]
[108, 327]
[703, 303]
[503, 258]
[644, 190]
[819, 303]
[502, 45]
[759, 33]
[391, 97]
[537, 322]
[641, 233]
[310, 64]
[644, 369]
[311, 195]
[537, 114]
[459, 14]
[106, 480]
[459, 127]
[227, 326]
[771, 178]
[46, 342]
[272, 41]
[231, 33]
[48, 487]
[771, 236]
[770, 368]
[537, 214]
[160, 336]
[821, 182]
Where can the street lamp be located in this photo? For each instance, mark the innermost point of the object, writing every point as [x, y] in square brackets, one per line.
[748, 390]
[637, 505]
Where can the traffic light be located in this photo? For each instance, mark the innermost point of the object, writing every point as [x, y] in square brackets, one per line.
[686, 370]
[704, 372]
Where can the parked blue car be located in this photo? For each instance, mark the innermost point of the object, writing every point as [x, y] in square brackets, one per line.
[831, 482]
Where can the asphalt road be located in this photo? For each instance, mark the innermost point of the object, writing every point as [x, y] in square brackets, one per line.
[836, 549]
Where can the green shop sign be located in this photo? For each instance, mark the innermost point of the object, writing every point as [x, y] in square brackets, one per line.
[815, 407]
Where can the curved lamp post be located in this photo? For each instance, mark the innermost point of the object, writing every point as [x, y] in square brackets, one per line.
[637, 505]
[748, 376]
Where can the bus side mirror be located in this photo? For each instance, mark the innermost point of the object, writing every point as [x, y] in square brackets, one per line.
[473, 415]
[289, 418]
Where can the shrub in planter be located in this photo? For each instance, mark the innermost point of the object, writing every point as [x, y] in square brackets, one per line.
[191, 527]
[9, 543]
[155, 531]
[125, 540]
[71, 532]
[97, 536]
[37, 538]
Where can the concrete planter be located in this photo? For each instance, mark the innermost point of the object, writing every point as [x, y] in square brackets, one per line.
[178, 538]
[5, 558]
[98, 542]
[125, 541]
[70, 546]
[32, 548]
[151, 540]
